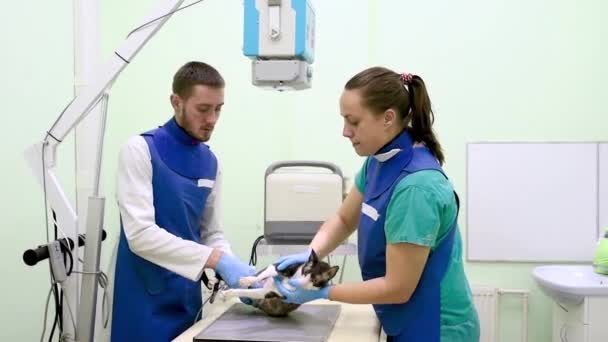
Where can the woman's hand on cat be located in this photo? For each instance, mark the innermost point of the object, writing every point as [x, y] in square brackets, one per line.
[287, 260]
[299, 295]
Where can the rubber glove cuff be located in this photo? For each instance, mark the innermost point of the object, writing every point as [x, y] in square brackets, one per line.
[231, 269]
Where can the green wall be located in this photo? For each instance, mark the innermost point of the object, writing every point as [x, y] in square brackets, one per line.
[496, 71]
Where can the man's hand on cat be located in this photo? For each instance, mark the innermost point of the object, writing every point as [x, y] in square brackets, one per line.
[299, 295]
[287, 260]
[231, 269]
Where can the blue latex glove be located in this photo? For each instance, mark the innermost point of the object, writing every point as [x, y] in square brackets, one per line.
[231, 269]
[299, 295]
[293, 259]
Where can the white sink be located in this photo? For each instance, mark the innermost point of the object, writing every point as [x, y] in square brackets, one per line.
[569, 284]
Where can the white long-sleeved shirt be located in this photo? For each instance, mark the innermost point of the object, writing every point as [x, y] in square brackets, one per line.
[146, 239]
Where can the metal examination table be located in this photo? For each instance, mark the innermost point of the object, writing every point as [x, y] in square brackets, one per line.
[354, 323]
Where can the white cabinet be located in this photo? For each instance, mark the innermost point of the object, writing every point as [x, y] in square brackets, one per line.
[585, 322]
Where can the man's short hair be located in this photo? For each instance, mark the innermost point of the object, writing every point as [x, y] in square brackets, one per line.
[195, 73]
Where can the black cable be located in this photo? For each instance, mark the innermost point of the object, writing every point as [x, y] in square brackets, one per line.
[60, 310]
[56, 292]
[71, 263]
[52, 136]
[69, 253]
[54, 223]
[57, 322]
[53, 329]
[58, 299]
[253, 259]
[162, 16]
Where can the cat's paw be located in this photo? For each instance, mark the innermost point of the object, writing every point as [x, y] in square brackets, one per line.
[246, 282]
[226, 294]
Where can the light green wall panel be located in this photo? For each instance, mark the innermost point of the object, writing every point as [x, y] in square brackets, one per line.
[36, 64]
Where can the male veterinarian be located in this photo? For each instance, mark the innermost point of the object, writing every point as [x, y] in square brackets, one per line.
[168, 189]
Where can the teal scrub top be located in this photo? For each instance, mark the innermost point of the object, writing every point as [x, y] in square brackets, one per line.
[421, 211]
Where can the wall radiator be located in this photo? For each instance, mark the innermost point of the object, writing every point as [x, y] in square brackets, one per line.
[487, 303]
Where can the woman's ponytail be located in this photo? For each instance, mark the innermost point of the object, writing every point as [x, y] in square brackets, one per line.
[421, 115]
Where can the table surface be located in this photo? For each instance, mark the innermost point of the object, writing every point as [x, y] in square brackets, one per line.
[355, 323]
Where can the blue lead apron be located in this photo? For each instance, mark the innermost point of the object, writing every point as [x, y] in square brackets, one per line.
[417, 320]
[152, 303]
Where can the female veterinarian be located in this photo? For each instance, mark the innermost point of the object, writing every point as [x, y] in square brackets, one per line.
[405, 210]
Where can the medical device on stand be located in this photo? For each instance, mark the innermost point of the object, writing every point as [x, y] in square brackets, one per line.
[278, 37]
[298, 197]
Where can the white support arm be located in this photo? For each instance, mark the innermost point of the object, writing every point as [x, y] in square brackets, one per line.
[41, 158]
[90, 95]
[81, 106]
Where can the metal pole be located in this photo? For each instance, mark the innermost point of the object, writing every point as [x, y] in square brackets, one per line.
[90, 271]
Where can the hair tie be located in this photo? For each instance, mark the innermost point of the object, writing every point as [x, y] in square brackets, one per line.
[406, 78]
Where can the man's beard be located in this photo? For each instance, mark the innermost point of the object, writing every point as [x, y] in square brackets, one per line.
[204, 136]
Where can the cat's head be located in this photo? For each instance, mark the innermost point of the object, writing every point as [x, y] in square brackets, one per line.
[318, 272]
